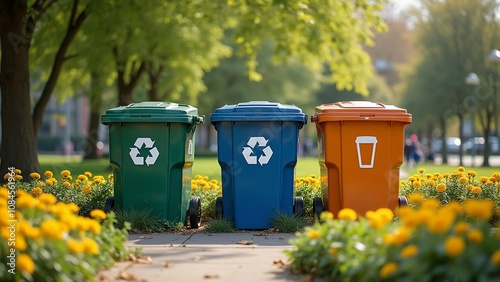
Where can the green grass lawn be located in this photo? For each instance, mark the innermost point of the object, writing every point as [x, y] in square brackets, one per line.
[208, 166]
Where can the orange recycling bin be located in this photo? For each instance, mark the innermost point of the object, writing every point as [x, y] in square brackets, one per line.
[360, 151]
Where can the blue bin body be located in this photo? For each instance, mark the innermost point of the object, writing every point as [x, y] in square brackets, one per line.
[257, 151]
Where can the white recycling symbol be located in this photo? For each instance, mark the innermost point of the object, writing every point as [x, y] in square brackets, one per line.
[135, 154]
[248, 151]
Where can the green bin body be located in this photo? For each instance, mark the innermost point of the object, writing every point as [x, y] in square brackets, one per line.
[151, 150]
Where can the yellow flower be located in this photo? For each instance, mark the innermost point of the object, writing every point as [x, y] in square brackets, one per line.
[98, 214]
[94, 226]
[35, 175]
[476, 190]
[21, 244]
[17, 171]
[386, 214]
[401, 236]
[110, 176]
[333, 251]
[65, 173]
[48, 174]
[480, 209]
[66, 184]
[441, 223]
[51, 228]
[469, 187]
[461, 169]
[83, 177]
[376, 220]
[313, 234]
[37, 191]
[48, 199]
[90, 246]
[461, 227]
[431, 182]
[475, 235]
[73, 207]
[26, 202]
[18, 177]
[25, 263]
[421, 170]
[86, 190]
[347, 214]
[75, 246]
[326, 215]
[463, 180]
[88, 174]
[409, 251]
[431, 204]
[387, 269]
[454, 246]
[495, 258]
[49, 182]
[441, 187]
[483, 179]
[472, 173]
[416, 198]
[417, 184]
[411, 178]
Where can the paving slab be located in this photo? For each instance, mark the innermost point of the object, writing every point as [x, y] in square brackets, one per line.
[245, 256]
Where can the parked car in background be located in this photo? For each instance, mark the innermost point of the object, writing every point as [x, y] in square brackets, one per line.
[452, 145]
[479, 143]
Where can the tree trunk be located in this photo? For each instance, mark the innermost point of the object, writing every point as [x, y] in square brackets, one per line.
[91, 151]
[443, 140]
[18, 148]
[75, 23]
[461, 135]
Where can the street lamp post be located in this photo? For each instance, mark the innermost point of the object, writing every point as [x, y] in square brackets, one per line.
[494, 57]
[473, 79]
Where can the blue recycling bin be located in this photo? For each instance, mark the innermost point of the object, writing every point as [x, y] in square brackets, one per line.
[257, 150]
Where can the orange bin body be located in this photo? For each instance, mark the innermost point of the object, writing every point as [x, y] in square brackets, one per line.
[360, 151]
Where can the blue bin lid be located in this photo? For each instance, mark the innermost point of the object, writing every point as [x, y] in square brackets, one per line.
[258, 111]
[153, 112]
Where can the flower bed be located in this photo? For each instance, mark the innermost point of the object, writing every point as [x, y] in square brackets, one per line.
[42, 236]
[445, 234]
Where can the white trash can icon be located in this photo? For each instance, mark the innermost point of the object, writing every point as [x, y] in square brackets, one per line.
[366, 141]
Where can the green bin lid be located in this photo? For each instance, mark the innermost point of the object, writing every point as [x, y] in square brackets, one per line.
[153, 112]
[258, 111]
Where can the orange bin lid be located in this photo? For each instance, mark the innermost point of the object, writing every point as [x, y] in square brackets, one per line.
[360, 110]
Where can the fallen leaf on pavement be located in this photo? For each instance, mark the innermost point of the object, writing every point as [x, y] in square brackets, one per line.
[140, 259]
[168, 265]
[279, 262]
[211, 276]
[245, 242]
[126, 276]
[261, 234]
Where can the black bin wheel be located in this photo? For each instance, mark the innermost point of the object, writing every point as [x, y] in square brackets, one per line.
[317, 207]
[109, 204]
[195, 212]
[298, 206]
[403, 201]
[219, 208]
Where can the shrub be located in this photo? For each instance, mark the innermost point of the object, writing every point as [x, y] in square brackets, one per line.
[208, 191]
[220, 225]
[288, 223]
[308, 188]
[50, 239]
[86, 191]
[452, 187]
[428, 242]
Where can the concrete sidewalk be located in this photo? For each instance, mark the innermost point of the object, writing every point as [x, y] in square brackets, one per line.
[241, 256]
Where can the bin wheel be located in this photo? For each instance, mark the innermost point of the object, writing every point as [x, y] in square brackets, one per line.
[219, 208]
[195, 212]
[317, 207]
[403, 201]
[298, 206]
[109, 204]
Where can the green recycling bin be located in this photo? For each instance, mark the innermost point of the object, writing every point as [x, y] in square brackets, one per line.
[151, 150]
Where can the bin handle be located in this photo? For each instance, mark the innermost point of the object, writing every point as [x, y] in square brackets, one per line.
[195, 120]
[314, 118]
